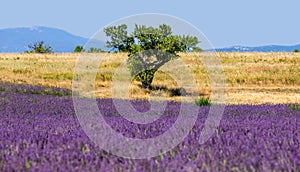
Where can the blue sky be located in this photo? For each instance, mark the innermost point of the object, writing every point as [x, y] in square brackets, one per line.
[225, 23]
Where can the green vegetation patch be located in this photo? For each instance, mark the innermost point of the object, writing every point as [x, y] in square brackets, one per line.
[295, 107]
[203, 101]
[53, 76]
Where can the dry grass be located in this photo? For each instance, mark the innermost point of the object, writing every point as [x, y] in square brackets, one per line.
[254, 78]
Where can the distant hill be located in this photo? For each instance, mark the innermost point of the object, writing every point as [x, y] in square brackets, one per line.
[269, 48]
[17, 39]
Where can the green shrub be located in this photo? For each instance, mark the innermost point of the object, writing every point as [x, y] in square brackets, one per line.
[296, 51]
[295, 107]
[78, 49]
[203, 101]
[39, 47]
[47, 91]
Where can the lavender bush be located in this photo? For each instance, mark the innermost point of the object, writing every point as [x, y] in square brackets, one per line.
[39, 131]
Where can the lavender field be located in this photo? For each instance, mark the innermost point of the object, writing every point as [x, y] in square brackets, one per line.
[39, 131]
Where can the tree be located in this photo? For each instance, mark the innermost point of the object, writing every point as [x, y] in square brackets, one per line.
[39, 47]
[148, 48]
[296, 51]
[79, 49]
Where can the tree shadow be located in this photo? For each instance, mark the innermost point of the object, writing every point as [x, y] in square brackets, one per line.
[173, 92]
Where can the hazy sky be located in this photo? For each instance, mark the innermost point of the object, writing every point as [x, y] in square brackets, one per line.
[224, 22]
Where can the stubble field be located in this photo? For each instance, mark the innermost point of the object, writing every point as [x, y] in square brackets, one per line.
[251, 78]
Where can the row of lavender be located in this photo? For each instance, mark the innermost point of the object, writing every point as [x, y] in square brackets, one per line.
[40, 131]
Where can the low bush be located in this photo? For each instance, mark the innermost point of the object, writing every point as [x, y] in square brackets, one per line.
[295, 107]
[203, 101]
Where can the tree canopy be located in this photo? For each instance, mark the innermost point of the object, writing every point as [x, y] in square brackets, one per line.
[148, 48]
[118, 36]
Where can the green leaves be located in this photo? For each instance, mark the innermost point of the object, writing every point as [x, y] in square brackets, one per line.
[190, 42]
[203, 101]
[149, 48]
[78, 49]
[39, 47]
[118, 37]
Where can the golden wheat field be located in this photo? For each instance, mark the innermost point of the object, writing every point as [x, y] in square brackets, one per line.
[251, 78]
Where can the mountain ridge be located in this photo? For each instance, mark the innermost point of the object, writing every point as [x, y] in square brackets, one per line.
[265, 48]
[16, 40]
